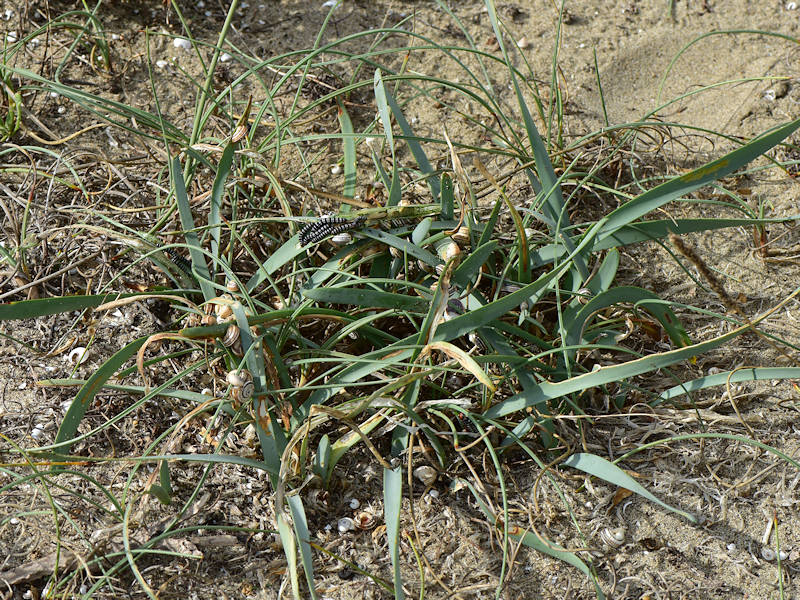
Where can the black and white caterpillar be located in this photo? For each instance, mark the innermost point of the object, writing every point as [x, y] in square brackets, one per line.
[313, 233]
[184, 264]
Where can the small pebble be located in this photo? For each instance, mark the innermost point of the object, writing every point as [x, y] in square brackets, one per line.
[161, 64]
[225, 57]
[791, 6]
[182, 43]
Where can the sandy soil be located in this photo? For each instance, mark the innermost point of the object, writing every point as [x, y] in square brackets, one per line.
[735, 487]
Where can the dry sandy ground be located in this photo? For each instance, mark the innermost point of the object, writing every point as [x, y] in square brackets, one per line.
[735, 487]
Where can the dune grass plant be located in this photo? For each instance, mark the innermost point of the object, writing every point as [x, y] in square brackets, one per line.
[456, 315]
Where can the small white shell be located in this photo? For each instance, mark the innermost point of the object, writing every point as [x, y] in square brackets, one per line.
[336, 169]
[232, 286]
[613, 538]
[354, 503]
[78, 355]
[179, 42]
[426, 474]
[346, 524]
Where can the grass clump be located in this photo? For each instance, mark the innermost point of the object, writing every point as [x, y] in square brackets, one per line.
[435, 310]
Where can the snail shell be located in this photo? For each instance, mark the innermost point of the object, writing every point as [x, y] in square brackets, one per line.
[346, 524]
[222, 307]
[426, 474]
[364, 520]
[241, 382]
[231, 285]
[448, 250]
[584, 295]
[232, 335]
[461, 236]
[613, 538]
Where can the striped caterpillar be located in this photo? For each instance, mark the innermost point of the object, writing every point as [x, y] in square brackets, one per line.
[184, 264]
[313, 233]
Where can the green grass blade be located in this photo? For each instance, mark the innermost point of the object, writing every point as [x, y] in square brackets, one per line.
[303, 535]
[641, 299]
[448, 199]
[644, 231]
[416, 149]
[608, 471]
[40, 307]
[553, 200]
[471, 320]
[83, 399]
[392, 501]
[289, 551]
[369, 298]
[199, 265]
[349, 152]
[469, 268]
[394, 185]
[290, 250]
[679, 186]
[404, 246]
[735, 376]
[217, 192]
[548, 391]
